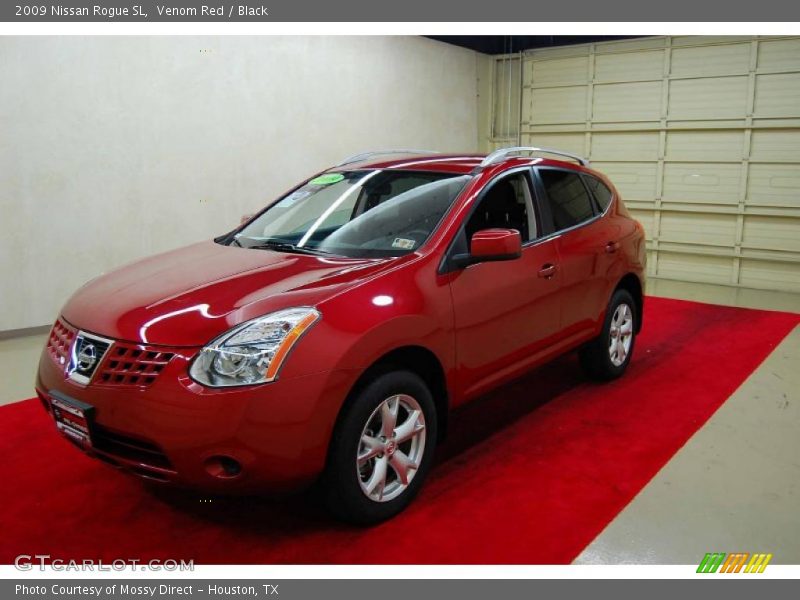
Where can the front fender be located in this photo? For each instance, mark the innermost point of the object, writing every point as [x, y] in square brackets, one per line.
[398, 332]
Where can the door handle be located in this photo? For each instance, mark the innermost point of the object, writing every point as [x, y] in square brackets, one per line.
[547, 271]
[612, 247]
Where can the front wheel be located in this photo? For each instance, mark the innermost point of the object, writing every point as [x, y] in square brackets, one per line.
[607, 356]
[381, 450]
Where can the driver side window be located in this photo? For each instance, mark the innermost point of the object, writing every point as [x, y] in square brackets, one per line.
[506, 204]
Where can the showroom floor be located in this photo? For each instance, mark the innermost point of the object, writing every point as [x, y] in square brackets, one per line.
[734, 486]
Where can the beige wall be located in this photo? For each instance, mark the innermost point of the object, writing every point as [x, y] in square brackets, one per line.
[700, 134]
[116, 148]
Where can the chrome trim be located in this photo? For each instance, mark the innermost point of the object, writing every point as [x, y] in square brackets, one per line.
[365, 155]
[498, 155]
[560, 232]
[71, 369]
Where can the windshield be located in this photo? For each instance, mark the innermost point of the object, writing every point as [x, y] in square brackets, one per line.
[360, 214]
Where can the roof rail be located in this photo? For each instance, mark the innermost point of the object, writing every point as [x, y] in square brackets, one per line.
[365, 155]
[498, 155]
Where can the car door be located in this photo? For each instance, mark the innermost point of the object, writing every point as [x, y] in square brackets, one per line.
[581, 242]
[506, 313]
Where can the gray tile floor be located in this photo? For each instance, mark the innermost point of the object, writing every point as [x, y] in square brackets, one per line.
[735, 486]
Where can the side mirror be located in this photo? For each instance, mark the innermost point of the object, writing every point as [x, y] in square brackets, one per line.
[246, 218]
[496, 244]
[491, 245]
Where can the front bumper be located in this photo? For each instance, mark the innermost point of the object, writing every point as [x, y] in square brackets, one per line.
[172, 430]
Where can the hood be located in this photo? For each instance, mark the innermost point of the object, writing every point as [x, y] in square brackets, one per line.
[186, 297]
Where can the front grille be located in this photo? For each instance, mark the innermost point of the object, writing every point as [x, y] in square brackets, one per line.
[87, 353]
[132, 364]
[60, 342]
[124, 364]
[129, 448]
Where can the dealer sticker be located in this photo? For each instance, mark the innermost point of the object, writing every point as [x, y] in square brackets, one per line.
[403, 243]
[326, 179]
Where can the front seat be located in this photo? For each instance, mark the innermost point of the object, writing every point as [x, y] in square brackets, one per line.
[499, 208]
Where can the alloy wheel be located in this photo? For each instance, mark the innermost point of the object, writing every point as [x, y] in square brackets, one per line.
[391, 448]
[620, 335]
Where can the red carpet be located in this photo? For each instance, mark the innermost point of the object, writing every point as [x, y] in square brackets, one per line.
[530, 475]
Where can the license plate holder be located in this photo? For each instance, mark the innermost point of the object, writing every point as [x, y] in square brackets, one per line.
[73, 418]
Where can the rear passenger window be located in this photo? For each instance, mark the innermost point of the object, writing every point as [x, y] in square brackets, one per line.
[567, 197]
[601, 193]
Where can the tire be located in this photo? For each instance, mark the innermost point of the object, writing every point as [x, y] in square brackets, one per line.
[366, 447]
[602, 358]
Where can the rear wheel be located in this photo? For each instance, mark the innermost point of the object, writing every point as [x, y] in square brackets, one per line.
[381, 450]
[607, 356]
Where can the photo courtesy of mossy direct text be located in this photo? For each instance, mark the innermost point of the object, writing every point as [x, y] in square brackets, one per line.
[152, 591]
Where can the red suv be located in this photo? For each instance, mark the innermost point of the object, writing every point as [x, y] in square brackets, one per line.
[328, 337]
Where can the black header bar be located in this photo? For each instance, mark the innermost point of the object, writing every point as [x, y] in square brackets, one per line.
[512, 11]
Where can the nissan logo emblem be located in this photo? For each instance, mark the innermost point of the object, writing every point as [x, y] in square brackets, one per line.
[86, 357]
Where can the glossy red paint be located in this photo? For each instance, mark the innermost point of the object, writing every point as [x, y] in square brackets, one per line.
[494, 244]
[482, 325]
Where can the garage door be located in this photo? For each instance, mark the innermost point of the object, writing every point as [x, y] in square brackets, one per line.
[700, 134]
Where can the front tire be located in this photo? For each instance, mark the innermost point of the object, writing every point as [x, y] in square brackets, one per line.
[381, 450]
[608, 355]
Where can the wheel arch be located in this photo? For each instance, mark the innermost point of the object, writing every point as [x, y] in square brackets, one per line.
[633, 285]
[419, 360]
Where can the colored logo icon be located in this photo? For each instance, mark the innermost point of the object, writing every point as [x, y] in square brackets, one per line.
[736, 562]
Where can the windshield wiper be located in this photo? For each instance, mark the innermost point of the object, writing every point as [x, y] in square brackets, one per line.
[285, 247]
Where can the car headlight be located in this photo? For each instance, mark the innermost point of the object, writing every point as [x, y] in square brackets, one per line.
[252, 352]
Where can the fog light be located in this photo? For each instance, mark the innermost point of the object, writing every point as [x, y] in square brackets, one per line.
[223, 467]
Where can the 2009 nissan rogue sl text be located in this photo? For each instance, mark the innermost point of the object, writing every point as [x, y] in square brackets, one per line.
[327, 338]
